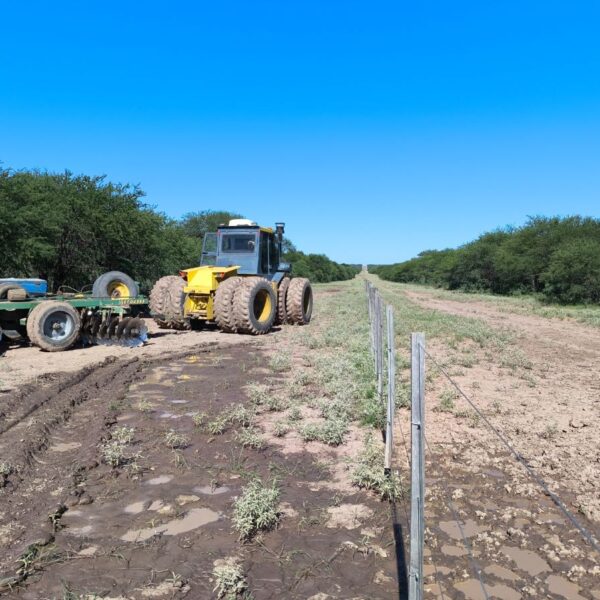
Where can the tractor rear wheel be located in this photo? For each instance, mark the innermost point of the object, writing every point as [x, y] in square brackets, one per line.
[53, 326]
[166, 303]
[115, 284]
[254, 306]
[282, 291]
[223, 304]
[299, 301]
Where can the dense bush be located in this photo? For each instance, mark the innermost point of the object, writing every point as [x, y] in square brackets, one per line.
[69, 229]
[557, 258]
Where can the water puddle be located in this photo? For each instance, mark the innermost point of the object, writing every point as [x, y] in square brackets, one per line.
[179, 401]
[528, 561]
[160, 480]
[168, 415]
[136, 507]
[471, 588]
[469, 528]
[501, 573]
[210, 491]
[453, 550]
[561, 587]
[65, 446]
[195, 518]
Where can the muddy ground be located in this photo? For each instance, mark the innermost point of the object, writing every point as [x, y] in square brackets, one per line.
[72, 526]
[21, 363]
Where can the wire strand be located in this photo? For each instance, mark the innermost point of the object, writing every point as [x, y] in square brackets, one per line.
[557, 501]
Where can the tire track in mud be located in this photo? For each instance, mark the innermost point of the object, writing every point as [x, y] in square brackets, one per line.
[41, 484]
[52, 406]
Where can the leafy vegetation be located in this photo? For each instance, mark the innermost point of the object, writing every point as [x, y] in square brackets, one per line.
[557, 258]
[256, 508]
[69, 229]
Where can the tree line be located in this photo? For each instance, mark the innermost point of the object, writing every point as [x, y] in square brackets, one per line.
[70, 228]
[556, 258]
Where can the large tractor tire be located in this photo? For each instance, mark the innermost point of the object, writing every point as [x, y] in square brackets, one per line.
[299, 301]
[115, 284]
[223, 304]
[166, 303]
[53, 326]
[282, 291]
[254, 306]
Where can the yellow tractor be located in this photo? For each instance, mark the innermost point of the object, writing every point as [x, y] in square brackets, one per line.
[241, 284]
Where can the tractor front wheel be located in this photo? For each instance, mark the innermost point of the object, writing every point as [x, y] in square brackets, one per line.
[223, 304]
[166, 303]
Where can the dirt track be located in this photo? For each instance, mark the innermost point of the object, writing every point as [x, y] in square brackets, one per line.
[23, 364]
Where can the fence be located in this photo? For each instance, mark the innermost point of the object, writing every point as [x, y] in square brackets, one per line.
[419, 443]
[379, 345]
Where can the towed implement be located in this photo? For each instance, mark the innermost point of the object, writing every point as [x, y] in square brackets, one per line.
[241, 284]
[54, 322]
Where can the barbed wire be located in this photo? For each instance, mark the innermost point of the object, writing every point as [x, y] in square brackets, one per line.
[517, 455]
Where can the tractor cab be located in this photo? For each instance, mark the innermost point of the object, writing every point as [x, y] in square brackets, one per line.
[242, 243]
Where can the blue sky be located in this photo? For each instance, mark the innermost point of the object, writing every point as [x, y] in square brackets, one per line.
[375, 130]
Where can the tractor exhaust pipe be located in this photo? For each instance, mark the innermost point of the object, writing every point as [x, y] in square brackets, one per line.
[280, 230]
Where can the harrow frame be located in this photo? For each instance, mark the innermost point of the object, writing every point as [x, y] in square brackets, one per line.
[14, 314]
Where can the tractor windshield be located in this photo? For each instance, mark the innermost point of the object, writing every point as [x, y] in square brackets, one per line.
[238, 242]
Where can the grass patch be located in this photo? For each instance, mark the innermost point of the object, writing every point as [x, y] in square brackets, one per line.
[331, 432]
[280, 429]
[368, 473]
[229, 578]
[176, 440]
[251, 438]
[218, 425]
[256, 509]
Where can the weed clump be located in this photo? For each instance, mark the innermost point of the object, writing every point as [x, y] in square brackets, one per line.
[114, 451]
[240, 415]
[280, 429]
[230, 581]
[368, 473]
[198, 419]
[280, 363]
[251, 438]
[447, 398]
[256, 509]
[176, 440]
[123, 435]
[218, 425]
[331, 432]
